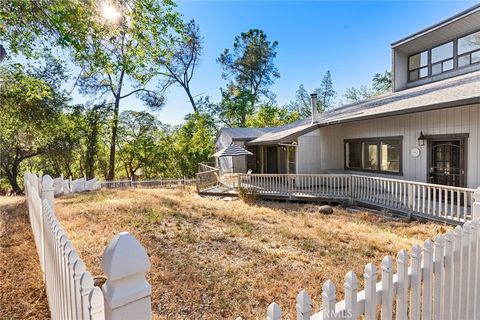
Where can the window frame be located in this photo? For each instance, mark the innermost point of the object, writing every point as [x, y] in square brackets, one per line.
[378, 141]
[454, 59]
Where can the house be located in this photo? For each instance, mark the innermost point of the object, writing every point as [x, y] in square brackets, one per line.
[426, 130]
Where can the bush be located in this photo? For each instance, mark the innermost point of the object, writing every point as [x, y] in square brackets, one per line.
[249, 196]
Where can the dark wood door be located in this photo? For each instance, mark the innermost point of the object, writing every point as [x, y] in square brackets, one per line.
[447, 163]
[252, 160]
[271, 162]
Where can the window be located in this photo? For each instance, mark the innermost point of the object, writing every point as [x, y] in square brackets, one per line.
[455, 54]
[370, 152]
[390, 155]
[469, 43]
[353, 151]
[418, 66]
[378, 154]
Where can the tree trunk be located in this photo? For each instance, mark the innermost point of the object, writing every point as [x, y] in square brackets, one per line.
[113, 142]
[12, 176]
[190, 97]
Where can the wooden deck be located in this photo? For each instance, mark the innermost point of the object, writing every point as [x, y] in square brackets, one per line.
[440, 203]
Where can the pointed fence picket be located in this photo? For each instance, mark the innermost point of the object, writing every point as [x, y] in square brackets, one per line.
[69, 286]
[438, 280]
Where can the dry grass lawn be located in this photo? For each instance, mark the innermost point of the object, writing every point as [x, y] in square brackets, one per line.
[215, 259]
[22, 294]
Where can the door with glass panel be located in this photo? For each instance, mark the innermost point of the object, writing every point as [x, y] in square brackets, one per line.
[447, 162]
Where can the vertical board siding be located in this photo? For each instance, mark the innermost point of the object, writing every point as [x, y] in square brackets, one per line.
[458, 120]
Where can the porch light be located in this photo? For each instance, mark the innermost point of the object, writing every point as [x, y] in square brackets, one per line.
[421, 139]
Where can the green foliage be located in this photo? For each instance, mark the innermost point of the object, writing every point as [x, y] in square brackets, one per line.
[325, 98]
[194, 143]
[249, 65]
[31, 104]
[326, 94]
[381, 83]
[269, 115]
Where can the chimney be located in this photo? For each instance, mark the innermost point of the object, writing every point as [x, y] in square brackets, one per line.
[313, 99]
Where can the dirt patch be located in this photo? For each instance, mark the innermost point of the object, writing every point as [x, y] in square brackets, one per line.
[22, 293]
[216, 259]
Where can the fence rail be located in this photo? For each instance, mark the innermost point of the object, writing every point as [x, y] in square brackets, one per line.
[165, 183]
[70, 289]
[431, 201]
[439, 280]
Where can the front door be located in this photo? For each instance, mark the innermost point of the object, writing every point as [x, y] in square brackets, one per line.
[271, 163]
[447, 162]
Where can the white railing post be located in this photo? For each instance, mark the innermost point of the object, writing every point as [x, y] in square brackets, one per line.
[127, 293]
[476, 204]
[328, 300]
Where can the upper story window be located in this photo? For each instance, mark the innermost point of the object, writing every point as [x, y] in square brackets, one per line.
[418, 66]
[457, 53]
[442, 58]
[469, 49]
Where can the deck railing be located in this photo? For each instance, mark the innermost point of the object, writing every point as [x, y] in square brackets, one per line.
[207, 179]
[431, 201]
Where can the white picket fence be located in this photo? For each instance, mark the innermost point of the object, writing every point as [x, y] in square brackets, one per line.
[70, 287]
[62, 186]
[440, 280]
[152, 183]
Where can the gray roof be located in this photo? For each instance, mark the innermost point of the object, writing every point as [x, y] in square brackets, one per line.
[245, 133]
[457, 91]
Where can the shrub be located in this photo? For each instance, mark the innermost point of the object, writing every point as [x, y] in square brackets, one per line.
[248, 195]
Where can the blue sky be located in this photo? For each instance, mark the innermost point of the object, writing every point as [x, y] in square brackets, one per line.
[351, 39]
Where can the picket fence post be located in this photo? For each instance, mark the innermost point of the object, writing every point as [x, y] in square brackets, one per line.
[126, 292]
[47, 191]
[274, 312]
[476, 204]
[303, 306]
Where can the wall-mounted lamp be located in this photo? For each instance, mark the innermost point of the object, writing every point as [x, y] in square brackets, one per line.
[421, 139]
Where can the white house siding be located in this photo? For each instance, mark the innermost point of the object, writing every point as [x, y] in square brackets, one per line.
[225, 163]
[329, 140]
[308, 153]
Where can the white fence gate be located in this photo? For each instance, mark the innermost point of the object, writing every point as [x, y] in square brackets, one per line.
[439, 280]
[70, 287]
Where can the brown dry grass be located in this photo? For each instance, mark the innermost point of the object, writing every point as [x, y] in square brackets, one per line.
[214, 259]
[22, 294]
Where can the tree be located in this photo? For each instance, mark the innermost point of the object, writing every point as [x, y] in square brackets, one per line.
[117, 45]
[326, 94]
[249, 65]
[381, 83]
[354, 95]
[233, 109]
[301, 104]
[269, 115]
[137, 143]
[31, 102]
[181, 67]
[194, 143]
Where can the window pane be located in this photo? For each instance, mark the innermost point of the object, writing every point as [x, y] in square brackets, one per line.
[371, 155]
[447, 65]
[437, 68]
[353, 154]
[464, 60]
[442, 52]
[469, 43]
[413, 75]
[418, 60]
[390, 156]
[423, 72]
[475, 57]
